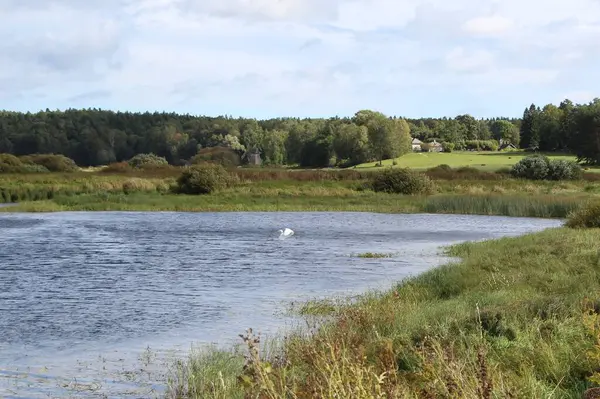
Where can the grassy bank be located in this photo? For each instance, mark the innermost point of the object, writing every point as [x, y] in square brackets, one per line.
[482, 160]
[490, 204]
[465, 191]
[516, 318]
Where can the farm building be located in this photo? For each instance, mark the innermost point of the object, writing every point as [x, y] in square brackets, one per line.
[253, 157]
[434, 146]
[416, 145]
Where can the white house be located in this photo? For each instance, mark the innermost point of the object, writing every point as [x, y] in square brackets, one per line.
[416, 145]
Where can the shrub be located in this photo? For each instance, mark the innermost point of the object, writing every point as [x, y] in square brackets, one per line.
[504, 171]
[9, 160]
[561, 169]
[534, 167]
[440, 168]
[26, 168]
[448, 147]
[137, 184]
[117, 167]
[222, 155]
[401, 181]
[22, 168]
[482, 145]
[203, 179]
[52, 162]
[144, 160]
[588, 216]
[540, 167]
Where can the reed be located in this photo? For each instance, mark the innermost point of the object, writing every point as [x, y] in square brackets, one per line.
[514, 205]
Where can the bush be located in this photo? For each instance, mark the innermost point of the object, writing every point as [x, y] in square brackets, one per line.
[401, 181]
[11, 164]
[117, 167]
[534, 167]
[27, 168]
[440, 168]
[144, 160]
[9, 160]
[203, 179]
[482, 145]
[52, 162]
[222, 155]
[448, 147]
[540, 167]
[561, 169]
[587, 216]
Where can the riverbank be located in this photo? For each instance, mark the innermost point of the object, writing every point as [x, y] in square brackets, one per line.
[515, 317]
[465, 192]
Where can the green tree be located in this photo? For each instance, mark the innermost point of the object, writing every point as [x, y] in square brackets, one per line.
[530, 127]
[452, 131]
[471, 127]
[585, 138]
[350, 143]
[273, 147]
[318, 151]
[506, 131]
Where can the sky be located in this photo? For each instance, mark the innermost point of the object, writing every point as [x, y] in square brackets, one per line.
[299, 58]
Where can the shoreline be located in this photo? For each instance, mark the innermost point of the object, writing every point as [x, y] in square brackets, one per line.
[441, 250]
[490, 204]
[416, 323]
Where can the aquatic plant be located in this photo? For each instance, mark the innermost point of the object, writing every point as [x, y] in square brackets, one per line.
[374, 255]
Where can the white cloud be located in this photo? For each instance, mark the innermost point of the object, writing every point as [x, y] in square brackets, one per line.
[460, 60]
[297, 57]
[580, 96]
[488, 26]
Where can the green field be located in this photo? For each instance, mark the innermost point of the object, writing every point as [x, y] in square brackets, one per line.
[488, 161]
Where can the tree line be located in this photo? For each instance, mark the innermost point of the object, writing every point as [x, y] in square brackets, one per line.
[94, 137]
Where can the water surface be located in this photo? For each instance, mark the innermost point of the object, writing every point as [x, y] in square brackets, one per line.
[83, 295]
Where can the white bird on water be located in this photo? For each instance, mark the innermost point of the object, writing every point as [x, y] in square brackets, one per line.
[285, 233]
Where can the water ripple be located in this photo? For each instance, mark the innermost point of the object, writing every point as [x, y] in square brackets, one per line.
[76, 287]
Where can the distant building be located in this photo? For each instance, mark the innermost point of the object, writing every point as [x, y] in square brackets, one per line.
[434, 146]
[506, 145]
[416, 145]
[253, 157]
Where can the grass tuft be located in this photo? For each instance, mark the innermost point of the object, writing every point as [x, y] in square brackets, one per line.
[587, 216]
[374, 255]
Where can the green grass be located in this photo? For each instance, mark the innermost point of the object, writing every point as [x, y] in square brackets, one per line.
[469, 193]
[484, 160]
[482, 204]
[516, 317]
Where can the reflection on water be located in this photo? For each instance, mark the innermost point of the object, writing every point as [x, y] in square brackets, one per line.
[85, 294]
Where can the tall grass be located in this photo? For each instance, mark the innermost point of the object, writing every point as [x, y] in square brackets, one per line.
[511, 320]
[538, 206]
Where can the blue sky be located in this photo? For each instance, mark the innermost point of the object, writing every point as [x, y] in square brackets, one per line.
[304, 58]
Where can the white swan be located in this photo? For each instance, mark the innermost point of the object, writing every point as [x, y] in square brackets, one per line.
[285, 233]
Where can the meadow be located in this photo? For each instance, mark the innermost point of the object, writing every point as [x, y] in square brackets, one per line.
[483, 160]
[466, 191]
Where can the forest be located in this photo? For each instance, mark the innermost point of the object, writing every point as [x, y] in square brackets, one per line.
[93, 137]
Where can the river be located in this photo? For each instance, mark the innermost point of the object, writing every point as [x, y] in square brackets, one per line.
[86, 297]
